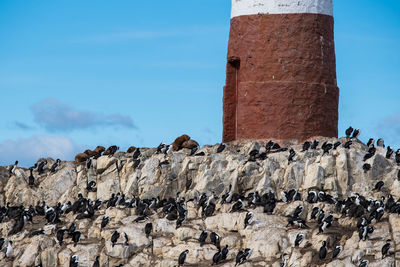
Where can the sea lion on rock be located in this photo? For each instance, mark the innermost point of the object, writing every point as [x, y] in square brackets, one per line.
[81, 157]
[190, 144]
[177, 144]
[131, 149]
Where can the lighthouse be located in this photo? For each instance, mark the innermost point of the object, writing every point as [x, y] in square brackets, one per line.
[281, 71]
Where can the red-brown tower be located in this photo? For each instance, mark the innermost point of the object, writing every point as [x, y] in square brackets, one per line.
[281, 71]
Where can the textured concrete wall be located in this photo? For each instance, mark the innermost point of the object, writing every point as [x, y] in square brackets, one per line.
[283, 85]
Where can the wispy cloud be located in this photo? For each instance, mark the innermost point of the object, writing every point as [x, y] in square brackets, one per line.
[28, 150]
[55, 116]
[22, 126]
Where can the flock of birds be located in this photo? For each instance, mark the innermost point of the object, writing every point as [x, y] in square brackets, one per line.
[367, 211]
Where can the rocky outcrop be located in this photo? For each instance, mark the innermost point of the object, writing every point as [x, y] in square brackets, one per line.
[338, 173]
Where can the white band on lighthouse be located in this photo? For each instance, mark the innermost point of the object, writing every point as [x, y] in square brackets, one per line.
[252, 7]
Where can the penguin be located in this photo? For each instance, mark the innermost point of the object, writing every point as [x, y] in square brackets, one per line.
[364, 263]
[60, 236]
[306, 146]
[379, 185]
[31, 178]
[238, 206]
[215, 239]
[9, 249]
[356, 133]
[337, 251]
[349, 131]
[76, 236]
[298, 240]
[148, 228]
[248, 218]
[323, 251]
[114, 238]
[202, 238]
[54, 167]
[182, 258]
[14, 167]
[292, 154]
[221, 148]
[96, 262]
[91, 187]
[385, 248]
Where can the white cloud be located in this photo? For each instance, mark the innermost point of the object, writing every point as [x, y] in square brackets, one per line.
[28, 150]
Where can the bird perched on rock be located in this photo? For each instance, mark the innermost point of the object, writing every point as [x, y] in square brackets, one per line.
[238, 206]
[306, 146]
[364, 263]
[292, 154]
[60, 236]
[379, 185]
[248, 218]
[337, 251]
[348, 144]
[96, 262]
[148, 228]
[370, 142]
[31, 178]
[215, 239]
[76, 236]
[323, 251]
[389, 152]
[73, 261]
[182, 258]
[14, 167]
[315, 144]
[55, 166]
[298, 240]
[356, 133]
[385, 248]
[221, 148]
[380, 142]
[114, 238]
[366, 167]
[349, 131]
[243, 256]
[217, 258]
[9, 249]
[202, 238]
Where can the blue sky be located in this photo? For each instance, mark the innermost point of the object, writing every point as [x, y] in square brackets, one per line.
[75, 74]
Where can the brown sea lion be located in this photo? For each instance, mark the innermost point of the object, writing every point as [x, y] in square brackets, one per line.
[81, 157]
[131, 149]
[97, 151]
[177, 144]
[190, 144]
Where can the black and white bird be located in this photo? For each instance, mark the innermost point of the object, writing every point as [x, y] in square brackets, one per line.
[298, 211]
[248, 218]
[312, 197]
[31, 178]
[370, 142]
[105, 221]
[315, 144]
[73, 261]
[202, 238]
[385, 248]
[41, 166]
[356, 133]
[126, 239]
[337, 251]
[96, 262]
[225, 251]
[298, 240]
[379, 185]
[215, 239]
[182, 258]
[221, 148]
[14, 167]
[141, 219]
[9, 249]
[323, 251]
[292, 154]
[148, 228]
[60, 236]
[380, 142]
[238, 206]
[366, 167]
[364, 263]
[114, 238]
[76, 236]
[314, 213]
[306, 146]
[326, 147]
[91, 187]
[227, 197]
[55, 166]
[243, 256]
[389, 152]
[2, 242]
[348, 144]
[349, 131]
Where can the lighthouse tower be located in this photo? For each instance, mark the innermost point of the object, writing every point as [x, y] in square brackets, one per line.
[281, 71]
